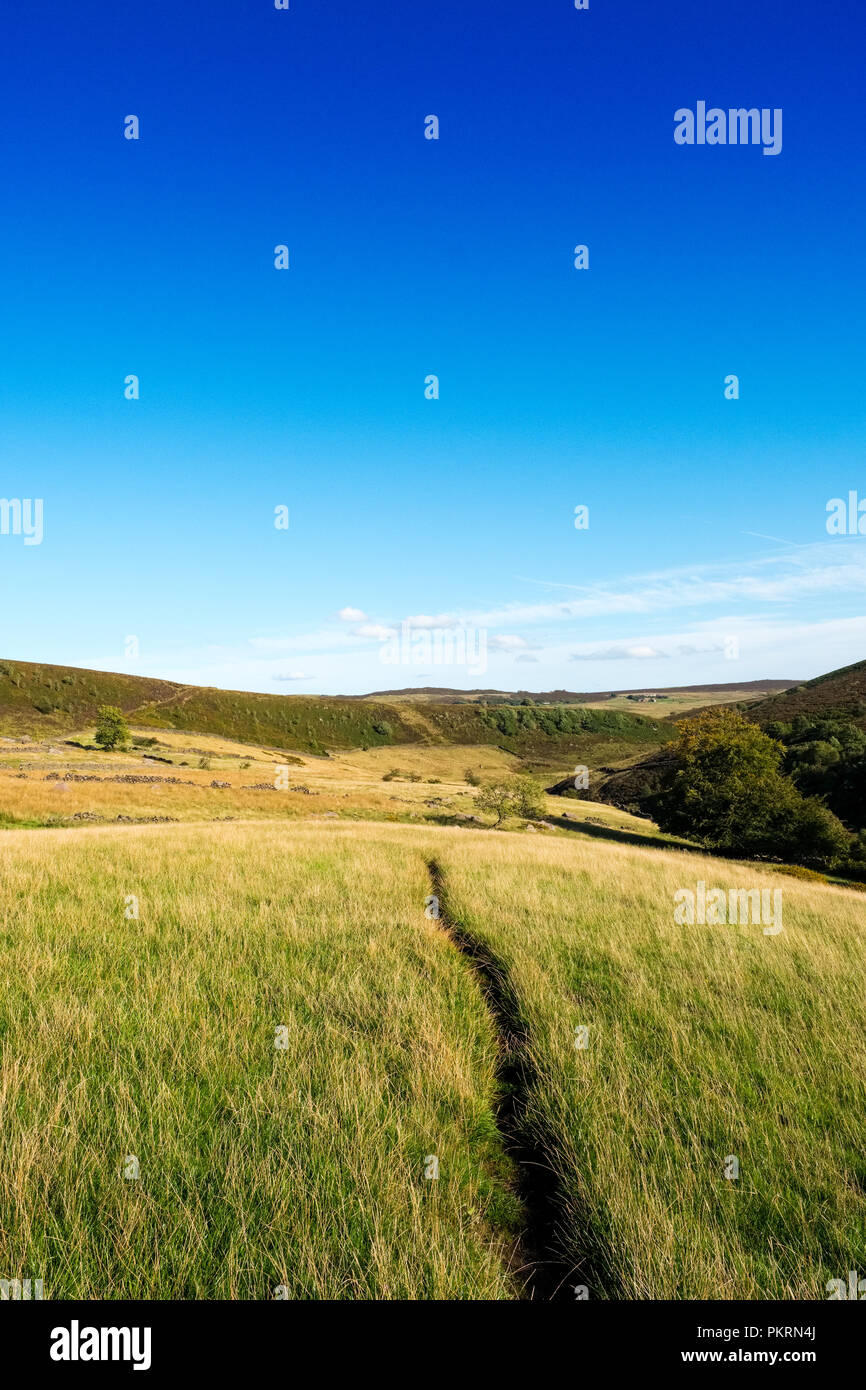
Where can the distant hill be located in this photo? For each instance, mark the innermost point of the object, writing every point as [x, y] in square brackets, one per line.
[49, 701]
[559, 697]
[840, 694]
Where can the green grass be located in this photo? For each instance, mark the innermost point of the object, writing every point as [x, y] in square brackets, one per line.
[704, 1042]
[155, 1038]
[304, 1167]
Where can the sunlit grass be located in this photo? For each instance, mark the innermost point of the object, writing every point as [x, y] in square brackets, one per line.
[704, 1043]
[304, 1167]
[155, 1039]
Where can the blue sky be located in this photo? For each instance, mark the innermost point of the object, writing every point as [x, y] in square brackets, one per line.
[411, 257]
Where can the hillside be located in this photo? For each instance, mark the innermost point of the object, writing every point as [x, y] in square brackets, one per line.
[839, 694]
[447, 695]
[46, 701]
[52, 700]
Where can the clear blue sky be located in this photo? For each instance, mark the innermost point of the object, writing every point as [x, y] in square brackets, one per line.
[412, 257]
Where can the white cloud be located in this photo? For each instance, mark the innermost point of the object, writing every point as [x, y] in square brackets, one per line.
[352, 615]
[814, 571]
[294, 676]
[376, 631]
[439, 620]
[505, 642]
[639, 652]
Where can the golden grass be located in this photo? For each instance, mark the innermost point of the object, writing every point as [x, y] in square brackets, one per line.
[304, 1168]
[155, 1039]
[704, 1042]
[348, 785]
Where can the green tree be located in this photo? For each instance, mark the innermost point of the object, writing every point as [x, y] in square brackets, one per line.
[528, 797]
[112, 729]
[727, 790]
[495, 798]
[511, 796]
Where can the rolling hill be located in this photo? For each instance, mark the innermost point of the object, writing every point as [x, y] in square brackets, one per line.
[53, 701]
[447, 695]
[839, 694]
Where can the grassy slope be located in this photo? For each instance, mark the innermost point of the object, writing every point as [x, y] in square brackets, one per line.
[155, 1038]
[205, 777]
[841, 693]
[51, 701]
[704, 1042]
[258, 1168]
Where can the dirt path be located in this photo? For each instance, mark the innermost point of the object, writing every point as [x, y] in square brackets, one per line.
[546, 1275]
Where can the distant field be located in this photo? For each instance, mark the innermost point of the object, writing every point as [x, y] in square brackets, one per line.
[45, 783]
[673, 705]
[305, 1167]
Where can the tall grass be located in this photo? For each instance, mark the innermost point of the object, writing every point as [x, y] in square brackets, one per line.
[704, 1043]
[303, 1168]
[154, 1039]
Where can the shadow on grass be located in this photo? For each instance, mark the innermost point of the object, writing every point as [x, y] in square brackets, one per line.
[623, 837]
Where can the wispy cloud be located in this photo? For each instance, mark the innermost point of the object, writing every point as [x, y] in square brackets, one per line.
[816, 571]
[634, 653]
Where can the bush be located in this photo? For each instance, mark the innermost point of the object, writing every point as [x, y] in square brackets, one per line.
[471, 778]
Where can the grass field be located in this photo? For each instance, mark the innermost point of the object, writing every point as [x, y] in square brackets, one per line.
[48, 784]
[302, 1166]
[704, 1042]
[155, 1039]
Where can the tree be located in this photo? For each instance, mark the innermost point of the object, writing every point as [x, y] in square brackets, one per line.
[512, 796]
[112, 729]
[813, 835]
[528, 797]
[495, 798]
[727, 790]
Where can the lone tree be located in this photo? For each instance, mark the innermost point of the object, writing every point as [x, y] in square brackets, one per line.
[112, 729]
[512, 796]
[726, 789]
